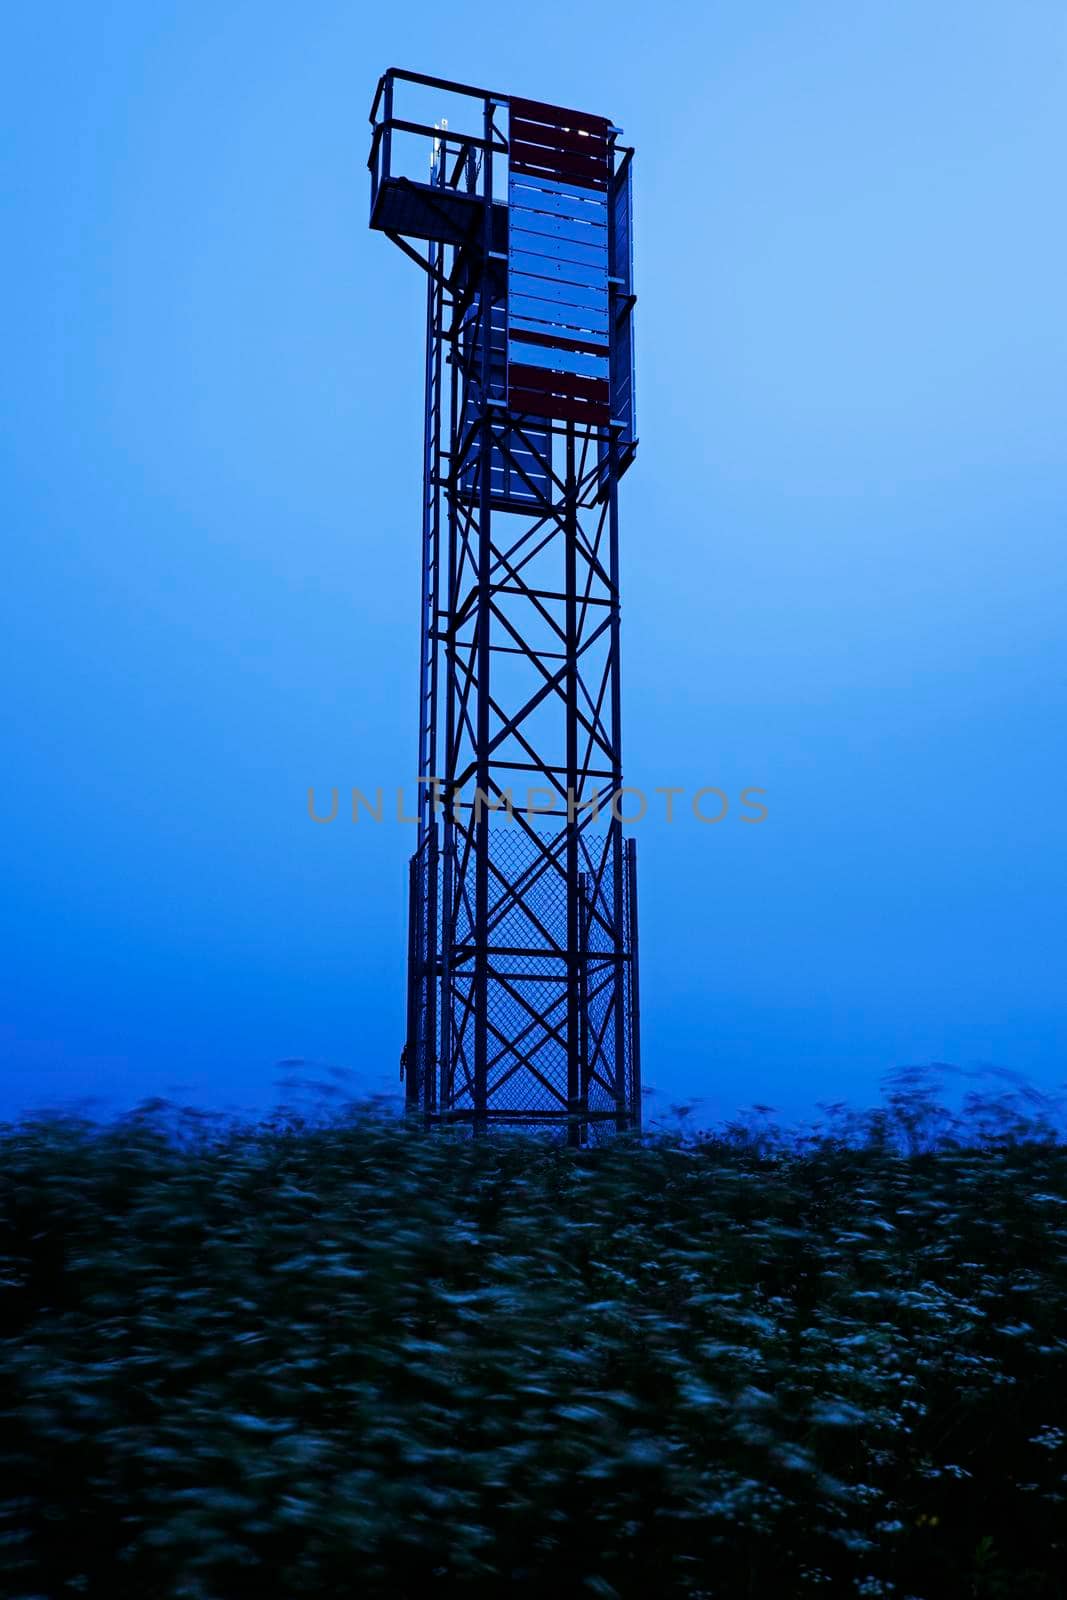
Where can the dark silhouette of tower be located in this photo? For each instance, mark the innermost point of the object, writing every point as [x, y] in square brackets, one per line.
[522, 961]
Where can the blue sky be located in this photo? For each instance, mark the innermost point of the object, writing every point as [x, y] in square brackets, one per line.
[843, 556]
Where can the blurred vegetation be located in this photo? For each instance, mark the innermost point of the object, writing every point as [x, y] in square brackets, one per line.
[345, 1358]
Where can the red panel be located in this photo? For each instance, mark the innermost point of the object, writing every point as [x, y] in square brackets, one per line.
[596, 164]
[557, 341]
[559, 116]
[579, 144]
[573, 169]
[560, 407]
[542, 380]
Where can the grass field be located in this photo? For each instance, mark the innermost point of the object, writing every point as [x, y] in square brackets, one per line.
[350, 1359]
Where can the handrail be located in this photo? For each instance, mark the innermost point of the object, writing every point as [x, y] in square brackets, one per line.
[429, 83]
[446, 135]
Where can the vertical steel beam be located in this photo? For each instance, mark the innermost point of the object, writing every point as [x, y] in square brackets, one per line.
[387, 131]
[411, 1044]
[576, 1127]
[446, 629]
[635, 989]
[430, 1067]
[584, 1020]
[484, 616]
[620, 1020]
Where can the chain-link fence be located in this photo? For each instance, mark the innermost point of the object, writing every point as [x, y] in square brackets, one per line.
[530, 968]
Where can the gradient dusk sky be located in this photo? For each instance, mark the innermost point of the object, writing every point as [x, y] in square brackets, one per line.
[843, 541]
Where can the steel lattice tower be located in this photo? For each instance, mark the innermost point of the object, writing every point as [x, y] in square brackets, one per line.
[522, 960]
